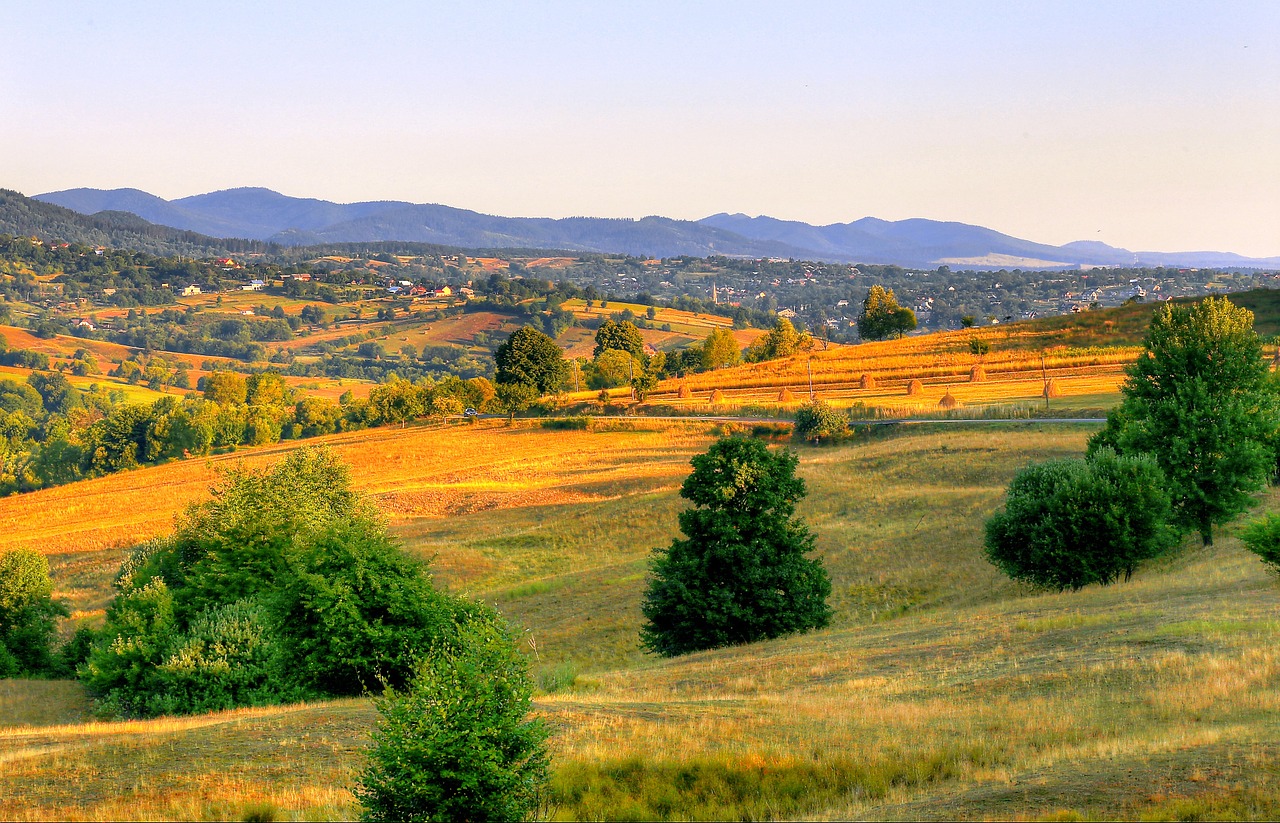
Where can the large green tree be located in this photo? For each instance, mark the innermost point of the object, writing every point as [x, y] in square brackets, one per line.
[623, 336]
[882, 317]
[720, 349]
[741, 573]
[530, 357]
[780, 341]
[1201, 400]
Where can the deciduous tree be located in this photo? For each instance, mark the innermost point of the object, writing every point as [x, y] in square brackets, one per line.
[530, 357]
[1201, 401]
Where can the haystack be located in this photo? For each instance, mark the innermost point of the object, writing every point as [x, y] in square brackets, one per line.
[948, 401]
[717, 396]
[867, 382]
[1051, 388]
[977, 374]
[915, 387]
[785, 396]
[684, 393]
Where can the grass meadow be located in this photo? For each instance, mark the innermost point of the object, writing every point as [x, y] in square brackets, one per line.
[940, 690]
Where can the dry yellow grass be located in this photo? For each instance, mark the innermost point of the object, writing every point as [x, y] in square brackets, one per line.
[429, 471]
[940, 690]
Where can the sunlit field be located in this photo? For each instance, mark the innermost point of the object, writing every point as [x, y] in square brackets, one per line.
[941, 690]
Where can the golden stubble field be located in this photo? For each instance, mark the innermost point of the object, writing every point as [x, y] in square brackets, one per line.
[940, 690]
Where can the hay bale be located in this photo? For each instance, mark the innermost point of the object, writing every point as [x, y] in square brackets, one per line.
[684, 393]
[785, 396]
[717, 396]
[948, 401]
[915, 387]
[977, 374]
[866, 382]
[1051, 388]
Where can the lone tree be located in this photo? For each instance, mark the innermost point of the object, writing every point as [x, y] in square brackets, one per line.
[530, 357]
[817, 421]
[882, 317]
[720, 349]
[1069, 523]
[1201, 401]
[623, 336]
[780, 341]
[741, 573]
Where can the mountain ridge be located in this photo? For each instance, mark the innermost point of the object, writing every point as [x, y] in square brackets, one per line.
[262, 214]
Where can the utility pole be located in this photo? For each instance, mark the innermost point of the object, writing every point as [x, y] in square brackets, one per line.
[809, 363]
[631, 376]
[1044, 377]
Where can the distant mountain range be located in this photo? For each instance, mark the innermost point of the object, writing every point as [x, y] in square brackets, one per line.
[265, 215]
[25, 216]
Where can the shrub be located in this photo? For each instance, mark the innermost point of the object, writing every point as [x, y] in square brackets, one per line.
[817, 421]
[28, 614]
[741, 573]
[121, 671]
[228, 657]
[1262, 537]
[458, 744]
[567, 423]
[285, 584]
[1069, 523]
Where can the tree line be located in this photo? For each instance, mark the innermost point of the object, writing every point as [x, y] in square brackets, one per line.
[52, 433]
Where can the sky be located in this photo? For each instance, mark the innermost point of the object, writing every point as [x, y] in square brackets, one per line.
[1154, 126]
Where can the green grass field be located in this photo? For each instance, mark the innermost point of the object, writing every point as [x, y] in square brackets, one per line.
[940, 691]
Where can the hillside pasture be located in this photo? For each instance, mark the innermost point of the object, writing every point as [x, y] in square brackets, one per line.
[940, 691]
[62, 347]
[695, 324]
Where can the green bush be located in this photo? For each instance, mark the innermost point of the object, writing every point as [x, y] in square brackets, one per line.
[227, 658]
[1262, 537]
[28, 614]
[816, 421]
[284, 585]
[567, 423]
[1069, 523]
[458, 744]
[352, 609]
[121, 671]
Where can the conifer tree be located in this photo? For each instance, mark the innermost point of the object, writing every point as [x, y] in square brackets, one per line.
[741, 573]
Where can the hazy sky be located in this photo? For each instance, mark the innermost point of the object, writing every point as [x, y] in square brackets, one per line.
[1154, 126]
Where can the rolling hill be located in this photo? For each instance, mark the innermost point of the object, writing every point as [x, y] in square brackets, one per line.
[940, 691]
